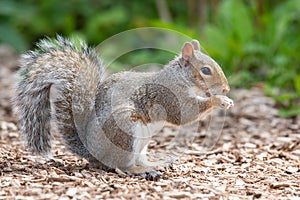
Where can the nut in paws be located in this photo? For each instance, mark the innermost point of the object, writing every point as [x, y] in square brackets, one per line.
[226, 102]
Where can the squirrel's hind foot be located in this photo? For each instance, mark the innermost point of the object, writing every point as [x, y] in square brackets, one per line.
[152, 175]
[147, 173]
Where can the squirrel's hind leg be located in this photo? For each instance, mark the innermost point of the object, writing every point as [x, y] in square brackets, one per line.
[77, 147]
[70, 135]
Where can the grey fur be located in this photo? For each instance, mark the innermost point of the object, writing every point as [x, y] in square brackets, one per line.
[53, 63]
[97, 119]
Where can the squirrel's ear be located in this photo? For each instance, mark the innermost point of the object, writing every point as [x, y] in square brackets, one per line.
[196, 45]
[187, 51]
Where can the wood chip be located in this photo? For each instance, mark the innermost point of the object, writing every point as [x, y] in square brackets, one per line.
[256, 156]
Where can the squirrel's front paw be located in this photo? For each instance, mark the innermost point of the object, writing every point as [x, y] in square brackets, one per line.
[223, 102]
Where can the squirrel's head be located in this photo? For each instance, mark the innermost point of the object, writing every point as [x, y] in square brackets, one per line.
[207, 75]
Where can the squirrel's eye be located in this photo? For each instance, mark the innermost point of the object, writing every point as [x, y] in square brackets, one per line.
[206, 71]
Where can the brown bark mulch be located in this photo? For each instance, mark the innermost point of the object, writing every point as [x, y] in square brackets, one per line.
[257, 156]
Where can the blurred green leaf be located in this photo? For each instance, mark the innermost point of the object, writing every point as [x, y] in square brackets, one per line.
[286, 97]
[236, 19]
[8, 7]
[289, 112]
[12, 36]
[297, 84]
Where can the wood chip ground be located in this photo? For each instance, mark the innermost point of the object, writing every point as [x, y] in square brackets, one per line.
[257, 156]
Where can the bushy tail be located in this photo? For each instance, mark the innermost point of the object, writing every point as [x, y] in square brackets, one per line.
[54, 63]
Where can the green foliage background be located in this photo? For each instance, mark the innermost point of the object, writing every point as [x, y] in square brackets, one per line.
[254, 41]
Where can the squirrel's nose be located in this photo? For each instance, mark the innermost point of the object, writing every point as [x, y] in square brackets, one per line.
[226, 90]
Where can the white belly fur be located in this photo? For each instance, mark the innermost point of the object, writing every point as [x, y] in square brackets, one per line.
[143, 134]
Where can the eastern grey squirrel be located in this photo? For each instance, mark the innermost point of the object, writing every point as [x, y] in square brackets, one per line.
[103, 121]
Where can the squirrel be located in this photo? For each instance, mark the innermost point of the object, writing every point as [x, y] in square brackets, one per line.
[104, 121]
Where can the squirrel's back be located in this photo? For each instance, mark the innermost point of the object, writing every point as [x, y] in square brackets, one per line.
[66, 66]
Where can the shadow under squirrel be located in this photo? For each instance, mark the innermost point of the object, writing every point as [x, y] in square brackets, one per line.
[104, 121]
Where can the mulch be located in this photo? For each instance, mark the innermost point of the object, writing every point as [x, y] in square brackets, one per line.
[256, 156]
